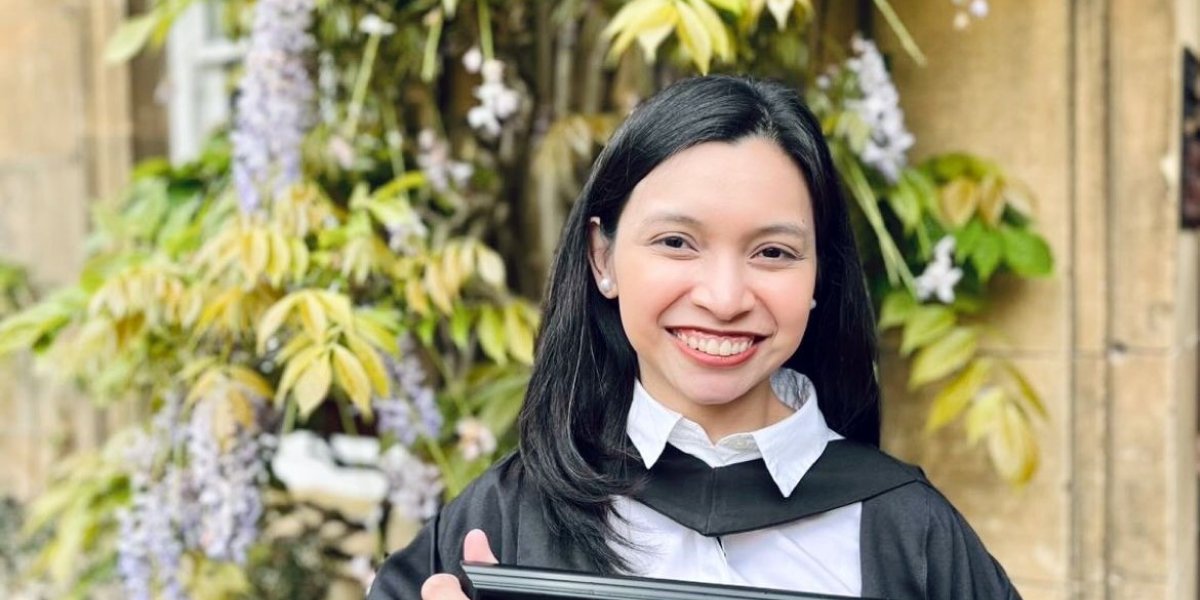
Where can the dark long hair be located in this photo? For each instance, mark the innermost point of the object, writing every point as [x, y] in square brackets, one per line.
[574, 417]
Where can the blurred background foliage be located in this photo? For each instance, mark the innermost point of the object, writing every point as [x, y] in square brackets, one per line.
[328, 317]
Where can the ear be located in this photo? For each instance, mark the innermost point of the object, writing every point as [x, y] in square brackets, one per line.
[600, 258]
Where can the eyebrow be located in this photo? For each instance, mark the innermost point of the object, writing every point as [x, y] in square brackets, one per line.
[671, 218]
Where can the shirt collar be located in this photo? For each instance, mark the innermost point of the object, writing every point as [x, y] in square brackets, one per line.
[788, 448]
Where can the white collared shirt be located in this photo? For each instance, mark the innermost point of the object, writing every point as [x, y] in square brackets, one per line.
[814, 554]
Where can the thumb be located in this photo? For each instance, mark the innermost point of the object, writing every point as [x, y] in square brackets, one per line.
[476, 549]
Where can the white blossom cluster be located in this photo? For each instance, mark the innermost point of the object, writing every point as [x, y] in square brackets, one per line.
[966, 10]
[414, 487]
[433, 156]
[475, 439]
[940, 275]
[497, 101]
[274, 101]
[879, 107]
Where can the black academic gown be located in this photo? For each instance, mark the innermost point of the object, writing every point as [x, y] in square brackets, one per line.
[913, 543]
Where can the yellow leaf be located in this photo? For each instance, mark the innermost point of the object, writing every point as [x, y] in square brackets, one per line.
[372, 364]
[722, 45]
[257, 250]
[694, 36]
[312, 316]
[923, 325]
[299, 257]
[281, 258]
[647, 21]
[1012, 446]
[518, 334]
[352, 378]
[297, 366]
[991, 200]
[377, 327]
[491, 334]
[983, 413]
[954, 397]
[251, 380]
[435, 287]
[958, 202]
[338, 307]
[1018, 197]
[943, 356]
[273, 319]
[415, 297]
[490, 265]
[736, 7]
[313, 384]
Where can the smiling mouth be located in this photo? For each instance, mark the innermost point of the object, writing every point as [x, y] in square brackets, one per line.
[714, 344]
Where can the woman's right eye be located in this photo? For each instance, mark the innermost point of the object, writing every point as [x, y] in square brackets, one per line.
[674, 242]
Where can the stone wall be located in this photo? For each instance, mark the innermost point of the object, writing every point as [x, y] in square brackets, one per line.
[1080, 100]
[64, 142]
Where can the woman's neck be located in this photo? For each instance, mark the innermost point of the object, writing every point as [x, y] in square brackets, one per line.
[759, 407]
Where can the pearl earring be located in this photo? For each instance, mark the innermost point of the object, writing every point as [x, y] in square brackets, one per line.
[812, 305]
[606, 286]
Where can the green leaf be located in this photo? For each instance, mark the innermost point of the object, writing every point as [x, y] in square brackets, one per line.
[460, 327]
[966, 240]
[906, 203]
[1026, 253]
[897, 307]
[944, 356]
[954, 397]
[988, 251]
[925, 324]
[519, 335]
[130, 38]
[491, 334]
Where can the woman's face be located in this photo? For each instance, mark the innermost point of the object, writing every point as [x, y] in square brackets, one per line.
[713, 265]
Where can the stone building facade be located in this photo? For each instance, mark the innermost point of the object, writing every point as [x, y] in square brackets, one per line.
[1080, 99]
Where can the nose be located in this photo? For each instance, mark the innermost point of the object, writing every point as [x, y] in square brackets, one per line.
[722, 289]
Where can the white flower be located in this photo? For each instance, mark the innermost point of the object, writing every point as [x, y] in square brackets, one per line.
[474, 438]
[473, 59]
[978, 8]
[879, 107]
[497, 102]
[373, 24]
[434, 159]
[940, 274]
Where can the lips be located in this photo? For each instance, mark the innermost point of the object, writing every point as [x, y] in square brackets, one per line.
[716, 344]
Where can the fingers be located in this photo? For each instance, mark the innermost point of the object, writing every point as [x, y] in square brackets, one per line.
[442, 586]
[476, 549]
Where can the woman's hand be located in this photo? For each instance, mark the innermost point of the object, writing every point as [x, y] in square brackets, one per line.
[444, 586]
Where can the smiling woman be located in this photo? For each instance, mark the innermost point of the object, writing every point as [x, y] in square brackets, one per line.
[692, 414]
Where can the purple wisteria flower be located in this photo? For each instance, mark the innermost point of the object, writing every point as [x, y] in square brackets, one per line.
[413, 410]
[274, 101]
[149, 548]
[227, 484]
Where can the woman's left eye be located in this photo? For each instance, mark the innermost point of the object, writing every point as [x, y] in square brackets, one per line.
[776, 253]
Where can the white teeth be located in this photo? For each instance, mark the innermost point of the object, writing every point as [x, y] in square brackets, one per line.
[715, 347]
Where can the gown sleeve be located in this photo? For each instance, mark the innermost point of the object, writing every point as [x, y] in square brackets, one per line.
[916, 545]
[489, 503]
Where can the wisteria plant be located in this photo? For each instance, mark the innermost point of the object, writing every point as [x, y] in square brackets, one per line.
[328, 317]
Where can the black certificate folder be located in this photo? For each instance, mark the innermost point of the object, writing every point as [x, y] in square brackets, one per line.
[495, 582]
